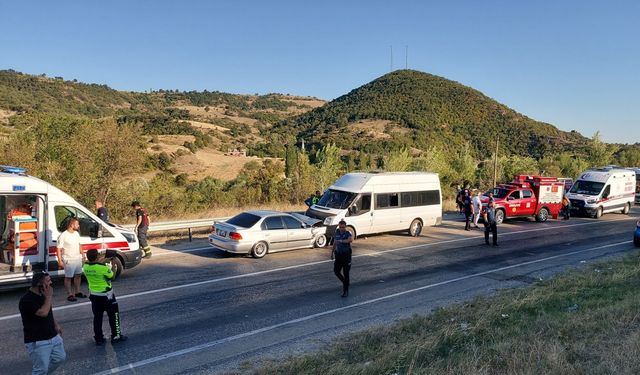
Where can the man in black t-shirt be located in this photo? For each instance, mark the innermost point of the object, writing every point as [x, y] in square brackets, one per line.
[342, 253]
[142, 226]
[41, 332]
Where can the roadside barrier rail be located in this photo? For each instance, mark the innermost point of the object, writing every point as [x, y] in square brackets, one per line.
[180, 224]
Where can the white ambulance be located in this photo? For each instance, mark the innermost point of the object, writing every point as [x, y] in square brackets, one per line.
[381, 202]
[602, 190]
[33, 213]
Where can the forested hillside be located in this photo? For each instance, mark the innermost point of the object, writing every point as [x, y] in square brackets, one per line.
[422, 111]
[188, 153]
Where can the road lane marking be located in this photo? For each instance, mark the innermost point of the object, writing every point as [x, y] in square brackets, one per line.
[258, 273]
[210, 344]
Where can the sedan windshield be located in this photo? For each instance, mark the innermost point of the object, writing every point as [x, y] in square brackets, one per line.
[587, 187]
[244, 220]
[336, 199]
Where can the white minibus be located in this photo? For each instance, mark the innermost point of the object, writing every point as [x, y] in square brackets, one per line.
[381, 202]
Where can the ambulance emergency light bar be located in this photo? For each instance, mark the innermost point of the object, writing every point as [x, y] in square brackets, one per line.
[10, 169]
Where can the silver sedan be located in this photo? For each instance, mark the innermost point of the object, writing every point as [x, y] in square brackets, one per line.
[261, 232]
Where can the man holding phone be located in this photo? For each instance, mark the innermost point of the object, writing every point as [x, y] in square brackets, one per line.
[41, 332]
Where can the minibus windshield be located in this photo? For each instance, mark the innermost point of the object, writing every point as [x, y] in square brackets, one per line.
[336, 199]
[587, 187]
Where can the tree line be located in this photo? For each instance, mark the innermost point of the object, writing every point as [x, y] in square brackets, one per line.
[106, 159]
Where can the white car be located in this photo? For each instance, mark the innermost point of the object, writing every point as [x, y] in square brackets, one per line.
[261, 232]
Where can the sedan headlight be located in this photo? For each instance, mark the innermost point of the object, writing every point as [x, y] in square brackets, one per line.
[328, 220]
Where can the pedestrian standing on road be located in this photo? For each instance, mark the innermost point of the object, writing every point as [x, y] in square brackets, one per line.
[566, 207]
[459, 196]
[102, 212]
[490, 224]
[142, 226]
[477, 208]
[468, 210]
[341, 252]
[70, 258]
[41, 332]
[99, 276]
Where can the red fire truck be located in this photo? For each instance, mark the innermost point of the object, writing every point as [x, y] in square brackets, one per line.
[527, 196]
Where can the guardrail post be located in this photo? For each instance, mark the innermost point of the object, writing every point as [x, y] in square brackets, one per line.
[190, 236]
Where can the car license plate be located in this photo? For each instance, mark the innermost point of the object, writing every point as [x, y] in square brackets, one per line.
[222, 233]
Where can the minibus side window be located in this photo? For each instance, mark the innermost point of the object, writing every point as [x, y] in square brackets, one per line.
[382, 200]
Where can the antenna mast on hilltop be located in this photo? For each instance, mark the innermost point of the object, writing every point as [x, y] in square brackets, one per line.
[391, 51]
[406, 57]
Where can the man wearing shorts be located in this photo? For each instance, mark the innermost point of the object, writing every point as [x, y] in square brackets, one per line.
[70, 258]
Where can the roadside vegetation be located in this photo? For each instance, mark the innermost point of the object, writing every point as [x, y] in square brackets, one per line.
[98, 143]
[583, 322]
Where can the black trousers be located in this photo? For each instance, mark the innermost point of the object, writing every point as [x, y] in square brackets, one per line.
[100, 304]
[142, 237]
[493, 228]
[341, 267]
[467, 218]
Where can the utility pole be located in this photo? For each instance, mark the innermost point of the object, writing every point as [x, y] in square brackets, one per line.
[495, 165]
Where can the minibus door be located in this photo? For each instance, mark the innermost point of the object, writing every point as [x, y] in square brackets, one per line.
[360, 214]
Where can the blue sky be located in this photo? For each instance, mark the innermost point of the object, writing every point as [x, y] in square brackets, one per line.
[574, 64]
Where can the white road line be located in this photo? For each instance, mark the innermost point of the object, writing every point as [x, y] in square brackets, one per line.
[210, 344]
[258, 273]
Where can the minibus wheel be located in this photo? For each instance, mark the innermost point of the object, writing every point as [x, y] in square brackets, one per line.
[352, 231]
[415, 228]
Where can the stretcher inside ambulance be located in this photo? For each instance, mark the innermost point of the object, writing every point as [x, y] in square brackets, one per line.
[33, 213]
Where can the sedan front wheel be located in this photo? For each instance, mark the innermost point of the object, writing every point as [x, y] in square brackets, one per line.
[321, 241]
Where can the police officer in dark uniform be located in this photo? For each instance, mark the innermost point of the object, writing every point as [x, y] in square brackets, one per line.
[342, 254]
[490, 224]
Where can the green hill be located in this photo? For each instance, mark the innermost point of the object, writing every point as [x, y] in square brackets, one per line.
[24, 93]
[420, 110]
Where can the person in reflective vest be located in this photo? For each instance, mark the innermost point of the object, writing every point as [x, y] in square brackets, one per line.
[99, 276]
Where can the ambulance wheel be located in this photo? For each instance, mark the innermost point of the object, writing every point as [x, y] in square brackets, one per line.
[415, 228]
[259, 250]
[321, 241]
[598, 213]
[499, 216]
[626, 209]
[542, 215]
[116, 266]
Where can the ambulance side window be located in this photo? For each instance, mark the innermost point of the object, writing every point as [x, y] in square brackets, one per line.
[88, 226]
[606, 191]
[526, 194]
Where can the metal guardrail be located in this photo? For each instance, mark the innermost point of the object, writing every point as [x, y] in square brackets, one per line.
[180, 224]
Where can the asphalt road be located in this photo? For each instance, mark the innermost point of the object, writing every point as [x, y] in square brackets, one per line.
[192, 309]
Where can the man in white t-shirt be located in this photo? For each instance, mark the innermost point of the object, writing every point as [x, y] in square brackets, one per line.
[477, 207]
[70, 258]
